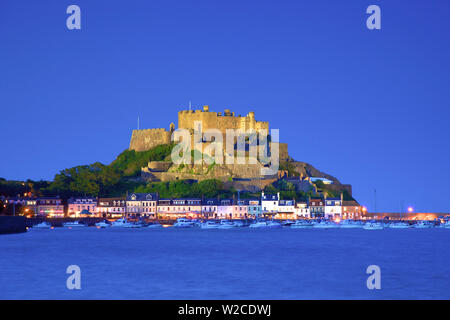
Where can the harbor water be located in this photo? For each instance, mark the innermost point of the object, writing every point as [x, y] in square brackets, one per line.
[240, 263]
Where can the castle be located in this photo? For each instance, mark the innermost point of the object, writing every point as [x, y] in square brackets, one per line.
[142, 140]
[240, 176]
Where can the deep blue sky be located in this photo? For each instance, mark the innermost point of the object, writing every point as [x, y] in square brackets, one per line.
[369, 107]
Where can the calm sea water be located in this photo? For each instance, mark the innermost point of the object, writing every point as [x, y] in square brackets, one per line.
[225, 264]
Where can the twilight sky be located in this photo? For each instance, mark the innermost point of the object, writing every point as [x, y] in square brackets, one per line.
[369, 107]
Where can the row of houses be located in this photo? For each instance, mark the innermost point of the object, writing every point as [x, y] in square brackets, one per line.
[149, 205]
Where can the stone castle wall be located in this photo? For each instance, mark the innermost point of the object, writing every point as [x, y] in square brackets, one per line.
[143, 140]
[217, 120]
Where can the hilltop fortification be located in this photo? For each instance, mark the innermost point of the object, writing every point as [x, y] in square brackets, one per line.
[240, 176]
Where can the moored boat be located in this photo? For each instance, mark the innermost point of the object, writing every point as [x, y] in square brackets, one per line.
[103, 224]
[350, 224]
[399, 225]
[122, 222]
[183, 223]
[226, 224]
[43, 225]
[372, 225]
[423, 224]
[73, 224]
[154, 225]
[265, 224]
[301, 224]
[324, 224]
[209, 225]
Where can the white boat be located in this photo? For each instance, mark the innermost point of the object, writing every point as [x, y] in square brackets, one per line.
[103, 224]
[42, 225]
[350, 224]
[323, 224]
[373, 226]
[226, 224]
[209, 225]
[138, 224]
[183, 223]
[301, 224]
[265, 224]
[399, 225]
[73, 224]
[423, 225]
[446, 225]
[122, 222]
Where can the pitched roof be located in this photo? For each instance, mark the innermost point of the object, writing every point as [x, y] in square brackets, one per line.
[142, 197]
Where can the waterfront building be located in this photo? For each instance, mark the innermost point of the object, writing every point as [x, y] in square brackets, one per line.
[269, 202]
[177, 208]
[111, 207]
[254, 208]
[317, 208]
[51, 207]
[28, 204]
[209, 208]
[286, 210]
[142, 204]
[75, 206]
[225, 209]
[351, 210]
[333, 207]
[302, 210]
[240, 209]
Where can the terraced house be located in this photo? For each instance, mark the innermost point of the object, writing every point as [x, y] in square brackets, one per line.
[142, 204]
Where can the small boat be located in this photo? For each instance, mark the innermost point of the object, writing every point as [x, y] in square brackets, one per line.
[288, 223]
[324, 224]
[350, 224]
[423, 225]
[209, 225]
[265, 224]
[371, 225]
[137, 224]
[399, 225]
[183, 223]
[73, 224]
[154, 225]
[302, 224]
[103, 224]
[121, 223]
[42, 225]
[226, 224]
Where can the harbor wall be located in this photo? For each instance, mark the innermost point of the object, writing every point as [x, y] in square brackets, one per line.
[13, 224]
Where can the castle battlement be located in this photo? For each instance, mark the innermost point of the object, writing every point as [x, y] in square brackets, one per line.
[145, 139]
[217, 120]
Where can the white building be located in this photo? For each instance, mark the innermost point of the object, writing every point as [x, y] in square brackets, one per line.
[270, 202]
[225, 209]
[333, 207]
[142, 204]
[111, 207]
[302, 210]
